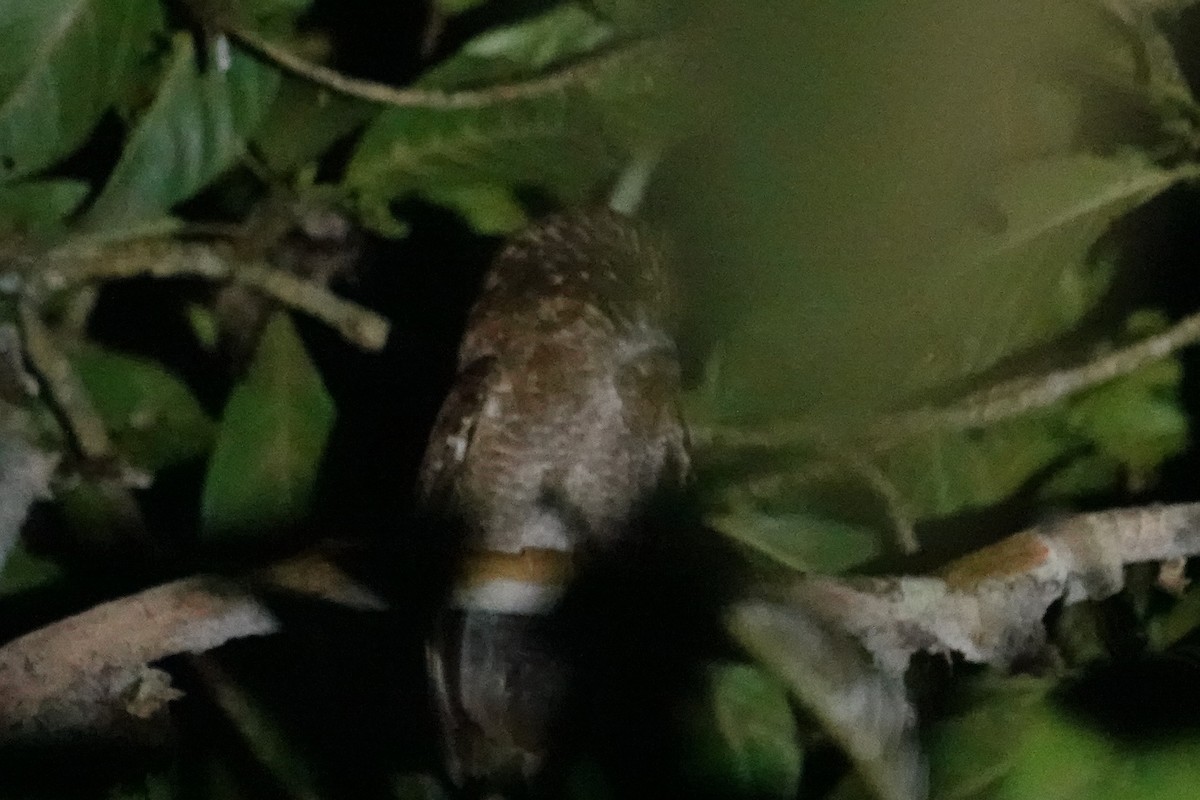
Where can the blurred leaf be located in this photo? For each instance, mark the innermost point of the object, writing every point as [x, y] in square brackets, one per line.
[509, 51]
[153, 418]
[863, 708]
[24, 571]
[39, 207]
[957, 204]
[196, 127]
[802, 541]
[1055, 211]
[1129, 426]
[970, 753]
[1012, 742]
[272, 435]
[64, 64]
[746, 741]
[859, 342]
[271, 743]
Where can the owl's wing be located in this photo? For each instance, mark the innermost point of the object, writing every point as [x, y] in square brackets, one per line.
[648, 384]
[450, 439]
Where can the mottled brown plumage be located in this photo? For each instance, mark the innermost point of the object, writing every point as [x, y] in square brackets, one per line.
[562, 423]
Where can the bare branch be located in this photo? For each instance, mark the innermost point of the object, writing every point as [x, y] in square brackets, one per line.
[88, 673]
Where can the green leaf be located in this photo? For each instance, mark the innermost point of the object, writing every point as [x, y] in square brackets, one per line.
[563, 143]
[801, 541]
[1128, 427]
[153, 418]
[542, 143]
[196, 127]
[641, 16]
[1023, 283]
[489, 209]
[506, 52]
[24, 571]
[64, 64]
[303, 122]
[272, 435]
[1137, 422]
[1012, 741]
[946, 472]
[39, 207]
[745, 741]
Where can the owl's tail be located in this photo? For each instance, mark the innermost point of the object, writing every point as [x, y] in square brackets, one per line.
[498, 673]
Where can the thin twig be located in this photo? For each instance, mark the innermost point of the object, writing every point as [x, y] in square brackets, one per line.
[63, 385]
[71, 266]
[1022, 395]
[577, 73]
[355, 323]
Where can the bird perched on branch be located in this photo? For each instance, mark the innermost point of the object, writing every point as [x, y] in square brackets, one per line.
[562, 424]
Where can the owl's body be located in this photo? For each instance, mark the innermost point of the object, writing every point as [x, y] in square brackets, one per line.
[562, 423]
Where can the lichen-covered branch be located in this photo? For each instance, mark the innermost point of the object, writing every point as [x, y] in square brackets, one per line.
[988, 607]
[842, 645]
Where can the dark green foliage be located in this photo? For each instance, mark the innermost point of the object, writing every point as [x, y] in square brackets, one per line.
[273, 432]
